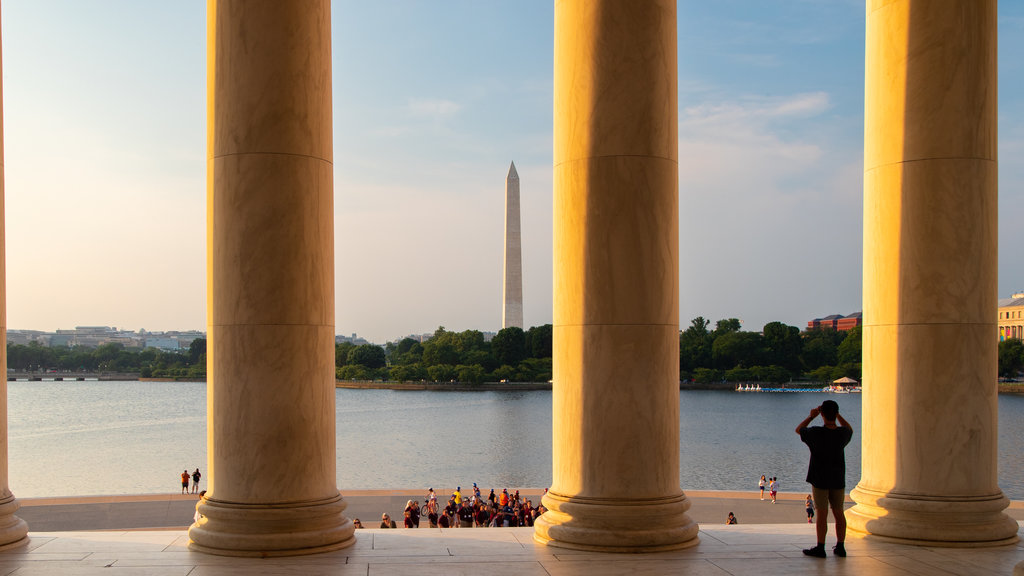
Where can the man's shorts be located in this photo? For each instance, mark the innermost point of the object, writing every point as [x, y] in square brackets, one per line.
[825, 498]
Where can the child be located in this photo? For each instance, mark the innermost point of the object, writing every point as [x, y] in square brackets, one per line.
[809, 505]
[774, 486]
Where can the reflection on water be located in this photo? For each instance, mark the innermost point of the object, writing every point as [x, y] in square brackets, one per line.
[79, 438]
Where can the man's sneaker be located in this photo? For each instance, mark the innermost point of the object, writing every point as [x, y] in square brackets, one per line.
[817, 551]
[839, 550]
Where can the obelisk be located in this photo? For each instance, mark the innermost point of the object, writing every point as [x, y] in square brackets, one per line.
[512, 293]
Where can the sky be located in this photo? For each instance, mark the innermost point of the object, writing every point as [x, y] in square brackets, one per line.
[104, 140]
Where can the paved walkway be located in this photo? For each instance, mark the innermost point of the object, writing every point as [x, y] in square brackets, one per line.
[149, 511]
[82, 536]
[741, 550]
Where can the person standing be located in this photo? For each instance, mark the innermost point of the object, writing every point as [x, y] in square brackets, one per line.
[184, 481]
[826, 472]
[773, 488]
[809, 506]
[195, 481]
[761, 484]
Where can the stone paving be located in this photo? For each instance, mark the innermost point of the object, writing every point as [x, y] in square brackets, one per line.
[740, 550]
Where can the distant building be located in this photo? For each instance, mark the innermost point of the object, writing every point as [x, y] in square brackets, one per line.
[95, 336]
[168, 344]
[836, 322]
[1011, 317]
[353, 339]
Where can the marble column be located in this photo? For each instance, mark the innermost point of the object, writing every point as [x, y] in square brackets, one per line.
[930, 299]
[616, 291]
[270, 396]
[13, 530]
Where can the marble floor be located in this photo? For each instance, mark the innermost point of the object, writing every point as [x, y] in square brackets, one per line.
[723, 550]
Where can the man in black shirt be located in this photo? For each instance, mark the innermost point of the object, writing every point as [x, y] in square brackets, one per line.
[827, 471]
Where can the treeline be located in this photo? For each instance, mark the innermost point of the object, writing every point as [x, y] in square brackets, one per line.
[148, 362]
[1011, 358]
[778, 353]
[513, 355]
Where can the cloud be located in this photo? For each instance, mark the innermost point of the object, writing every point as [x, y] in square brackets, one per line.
[435, 109]
[769, 190]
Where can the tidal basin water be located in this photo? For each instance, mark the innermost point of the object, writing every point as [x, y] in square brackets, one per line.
[91, 438]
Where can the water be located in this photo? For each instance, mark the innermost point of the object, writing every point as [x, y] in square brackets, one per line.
[84, 438]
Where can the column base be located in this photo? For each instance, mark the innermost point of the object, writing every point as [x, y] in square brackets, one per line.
[13, 530]
[932, 520]
[616, 525]
[263, 530]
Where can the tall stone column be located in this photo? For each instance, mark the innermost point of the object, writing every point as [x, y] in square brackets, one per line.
[270, 396]
[512, 289]
[13, 530]
[616, 294]
[930, 392]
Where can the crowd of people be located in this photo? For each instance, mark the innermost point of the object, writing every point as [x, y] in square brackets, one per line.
[501, 510]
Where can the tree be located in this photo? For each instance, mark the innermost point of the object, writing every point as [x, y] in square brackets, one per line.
[849, 350]
[539, 341]
[469, 341]
[737, 349]
[341, 352]
[1011, 357]
[440, 349]
[442, 372]
[196, 349]
[368, 355]
[819, 347]
[474, 374]
[783, 345]
[726, 326]
[408, 372]
[695, 346]
[509, 346]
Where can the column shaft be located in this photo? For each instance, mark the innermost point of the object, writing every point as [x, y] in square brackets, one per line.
[616, 298]
[272, 478]
[13, 530]
[930, 392]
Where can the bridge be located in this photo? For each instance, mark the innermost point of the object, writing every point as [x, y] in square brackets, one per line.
[14, 375]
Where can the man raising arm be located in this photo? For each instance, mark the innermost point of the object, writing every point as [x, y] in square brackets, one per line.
[827, 471]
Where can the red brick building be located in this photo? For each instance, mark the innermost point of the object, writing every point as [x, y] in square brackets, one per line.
[836, 322]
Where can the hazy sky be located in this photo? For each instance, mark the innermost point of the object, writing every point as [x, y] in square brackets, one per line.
[104, 109]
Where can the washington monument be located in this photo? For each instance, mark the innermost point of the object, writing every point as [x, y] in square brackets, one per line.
[512, 292]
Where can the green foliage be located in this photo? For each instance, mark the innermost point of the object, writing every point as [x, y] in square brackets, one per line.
[1011, 358]
[475, 374]
[737, 349]
[408, 372]
[513, 355]
[148, 362]
[341, 352]
[539, 341]
[367, 355]
[695, 345]
[706, 375]
[509, 346]
[820, 347]
[782, 345]
[777, 354]
[849, 351]
[726, 326]
[442, 372]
